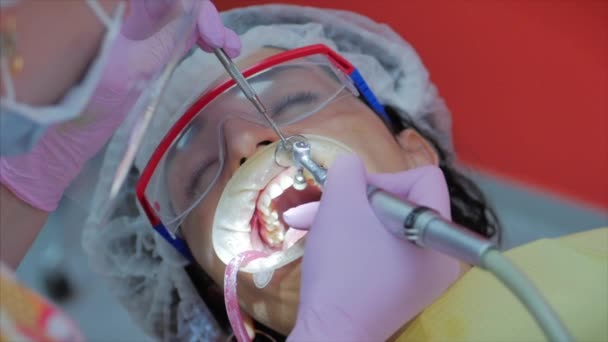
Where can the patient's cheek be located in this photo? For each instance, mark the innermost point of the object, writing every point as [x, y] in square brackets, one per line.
[197, 230]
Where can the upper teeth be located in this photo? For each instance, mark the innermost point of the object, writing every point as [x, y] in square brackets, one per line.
[273, 230]
[274, 189]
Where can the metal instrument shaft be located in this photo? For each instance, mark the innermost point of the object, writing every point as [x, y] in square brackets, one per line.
[247, 89]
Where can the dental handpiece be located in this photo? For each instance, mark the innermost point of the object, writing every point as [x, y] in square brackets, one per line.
[426, 228]
[408, 221]
[247, 89]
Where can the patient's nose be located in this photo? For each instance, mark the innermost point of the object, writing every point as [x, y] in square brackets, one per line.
[243, 139]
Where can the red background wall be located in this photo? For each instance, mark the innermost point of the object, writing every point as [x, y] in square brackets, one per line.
[527, 83]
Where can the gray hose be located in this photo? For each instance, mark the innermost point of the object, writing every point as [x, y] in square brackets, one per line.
[528, 295]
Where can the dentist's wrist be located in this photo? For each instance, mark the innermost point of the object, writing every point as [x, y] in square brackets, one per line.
[41, 176]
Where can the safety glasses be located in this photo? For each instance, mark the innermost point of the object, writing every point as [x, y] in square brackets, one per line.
[190, 158]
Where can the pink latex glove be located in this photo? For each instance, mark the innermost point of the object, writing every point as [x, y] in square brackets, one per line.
[41, 176]
[360, 282]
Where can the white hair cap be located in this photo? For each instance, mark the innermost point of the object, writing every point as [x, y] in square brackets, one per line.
[144, 271]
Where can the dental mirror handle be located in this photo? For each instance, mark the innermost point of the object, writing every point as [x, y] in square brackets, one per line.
[246, 88]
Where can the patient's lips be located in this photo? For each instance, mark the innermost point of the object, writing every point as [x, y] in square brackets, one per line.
[249, 213]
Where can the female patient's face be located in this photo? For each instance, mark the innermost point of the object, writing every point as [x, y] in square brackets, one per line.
[346, 120]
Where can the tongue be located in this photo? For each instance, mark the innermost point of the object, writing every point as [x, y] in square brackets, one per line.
[273, 240]
[293, 198]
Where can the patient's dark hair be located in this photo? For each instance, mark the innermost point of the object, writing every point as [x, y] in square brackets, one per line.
[468, 204]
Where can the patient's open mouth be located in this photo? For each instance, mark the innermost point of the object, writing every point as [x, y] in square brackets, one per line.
[249, 213]
[278, 196]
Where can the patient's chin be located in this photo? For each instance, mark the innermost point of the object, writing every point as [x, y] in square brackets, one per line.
[249, 213]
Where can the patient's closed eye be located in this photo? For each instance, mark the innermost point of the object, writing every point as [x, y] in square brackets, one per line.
[292, 100]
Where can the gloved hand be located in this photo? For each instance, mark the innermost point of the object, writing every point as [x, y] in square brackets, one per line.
[359, 282]
[140, 51]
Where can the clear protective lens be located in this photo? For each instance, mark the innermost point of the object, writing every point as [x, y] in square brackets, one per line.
[291, 91]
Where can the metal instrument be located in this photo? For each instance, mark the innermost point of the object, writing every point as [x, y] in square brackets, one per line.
[247, 89]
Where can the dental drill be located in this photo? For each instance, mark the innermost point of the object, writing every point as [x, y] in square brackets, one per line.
[419, 225]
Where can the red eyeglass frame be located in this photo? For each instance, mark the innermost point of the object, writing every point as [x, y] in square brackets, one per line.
[286, 56]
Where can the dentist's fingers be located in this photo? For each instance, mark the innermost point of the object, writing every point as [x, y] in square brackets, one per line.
[232, 44]
[424, 186]
[204, 46]
[344, 178]
[301, 217]
[210, 26]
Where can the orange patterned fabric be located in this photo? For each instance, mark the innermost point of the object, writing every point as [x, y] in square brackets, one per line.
[27, 316]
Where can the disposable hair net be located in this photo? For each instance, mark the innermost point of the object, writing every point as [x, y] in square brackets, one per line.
[143, 270]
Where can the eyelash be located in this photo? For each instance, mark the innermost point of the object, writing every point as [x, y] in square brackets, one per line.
[304, 97]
